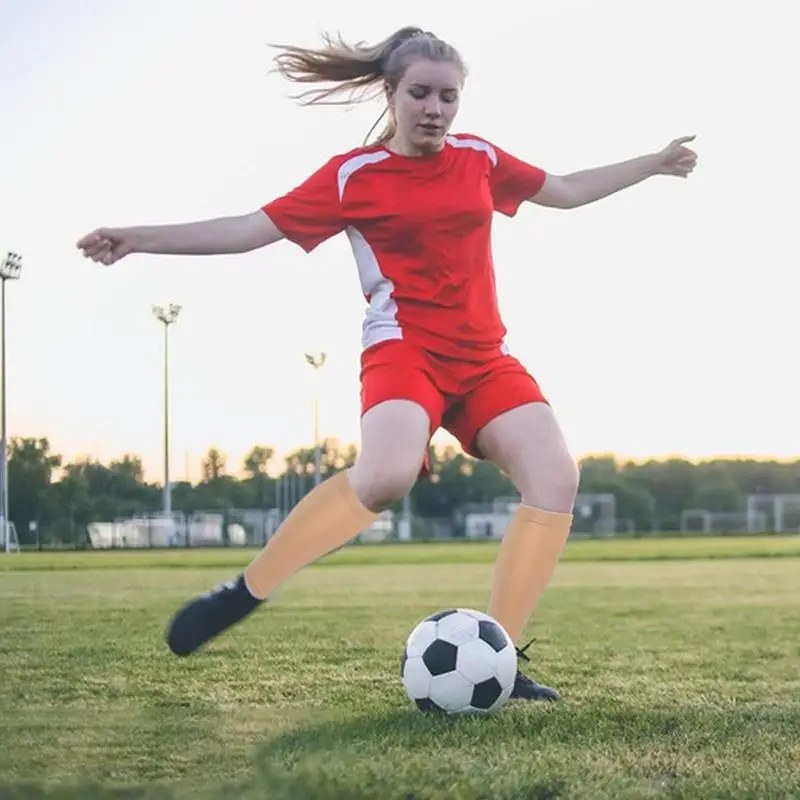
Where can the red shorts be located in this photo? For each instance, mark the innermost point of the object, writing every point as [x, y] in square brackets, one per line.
[459, 396]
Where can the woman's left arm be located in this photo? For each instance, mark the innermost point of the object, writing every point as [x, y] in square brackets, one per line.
[587, 186]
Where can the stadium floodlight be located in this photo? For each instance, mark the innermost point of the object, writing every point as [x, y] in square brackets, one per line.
[167, 316]
[10, 269]
[11, 266]
[317, 361]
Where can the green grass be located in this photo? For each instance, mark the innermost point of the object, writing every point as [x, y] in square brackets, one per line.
[680, 679]
[465, 552]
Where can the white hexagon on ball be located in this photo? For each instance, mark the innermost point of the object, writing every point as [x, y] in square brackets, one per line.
[476, 661]
[506, 667]
[416, 678]
[458, 629]
[480, 616]
[419, 639]
[451, 692]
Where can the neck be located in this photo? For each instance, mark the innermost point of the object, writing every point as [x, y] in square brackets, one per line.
[402, 147]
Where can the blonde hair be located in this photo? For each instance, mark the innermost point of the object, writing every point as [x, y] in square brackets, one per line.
[361, 70]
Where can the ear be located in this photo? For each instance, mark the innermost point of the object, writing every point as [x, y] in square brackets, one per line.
[389, 93]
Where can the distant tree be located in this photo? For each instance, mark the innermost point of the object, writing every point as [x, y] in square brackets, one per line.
[213, 465]
[653, 493]
[257, 461]
[31, 465]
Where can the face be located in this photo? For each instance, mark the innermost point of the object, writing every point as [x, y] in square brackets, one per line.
[425, 103]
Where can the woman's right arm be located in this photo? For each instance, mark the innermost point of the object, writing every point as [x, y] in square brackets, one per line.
[219, 236]
[209, 237]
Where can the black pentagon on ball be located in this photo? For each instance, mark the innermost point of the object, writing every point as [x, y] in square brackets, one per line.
[492, 634]
[403, 663]
[442, 614]
[486, 693]
[426, 704]
[440, 657]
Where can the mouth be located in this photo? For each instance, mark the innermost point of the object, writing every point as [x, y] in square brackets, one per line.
[430, 129]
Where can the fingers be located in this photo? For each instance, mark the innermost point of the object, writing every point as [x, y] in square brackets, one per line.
[687, 162]
[92, 239]
[97, 249]
[679, 159]
[101, 246]
[685, 166]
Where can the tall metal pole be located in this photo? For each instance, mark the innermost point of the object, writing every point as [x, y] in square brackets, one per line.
[167, 483]
[10, 269]
[4, 445]
[317, 362]
[167, 316]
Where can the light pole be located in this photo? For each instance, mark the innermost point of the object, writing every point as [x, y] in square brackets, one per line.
[316, 362]
[10, 269]
[166, 316]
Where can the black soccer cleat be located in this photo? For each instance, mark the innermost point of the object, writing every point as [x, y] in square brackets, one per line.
[208, 615]
[526, 688]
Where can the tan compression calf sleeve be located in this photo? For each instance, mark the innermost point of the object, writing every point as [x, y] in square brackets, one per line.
[325, 519]
[528, 555]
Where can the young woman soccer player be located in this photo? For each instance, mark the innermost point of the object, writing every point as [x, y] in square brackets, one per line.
[417, 207]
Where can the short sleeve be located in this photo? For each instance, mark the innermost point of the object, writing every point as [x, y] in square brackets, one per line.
[513, 181]
[311, 213]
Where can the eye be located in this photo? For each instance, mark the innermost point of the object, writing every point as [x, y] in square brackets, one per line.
[450, 96]
[418, 92]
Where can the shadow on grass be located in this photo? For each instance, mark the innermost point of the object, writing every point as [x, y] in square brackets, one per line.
[523, 753]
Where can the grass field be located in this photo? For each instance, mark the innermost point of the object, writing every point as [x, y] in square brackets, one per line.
[465, 552]
[679, 662]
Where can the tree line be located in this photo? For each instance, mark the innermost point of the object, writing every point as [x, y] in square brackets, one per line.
[63, 497]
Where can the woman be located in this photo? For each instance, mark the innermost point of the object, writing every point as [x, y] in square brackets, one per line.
[417, 207]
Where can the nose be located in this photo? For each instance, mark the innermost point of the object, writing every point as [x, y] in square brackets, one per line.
[433, 106]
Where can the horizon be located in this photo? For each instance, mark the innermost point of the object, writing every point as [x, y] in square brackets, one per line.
[441, 447]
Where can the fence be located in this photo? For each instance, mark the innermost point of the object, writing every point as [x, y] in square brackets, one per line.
[595, 516]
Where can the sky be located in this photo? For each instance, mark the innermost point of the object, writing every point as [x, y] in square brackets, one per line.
[660, 321]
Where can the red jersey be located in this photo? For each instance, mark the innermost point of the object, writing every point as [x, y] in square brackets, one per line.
[420, 230]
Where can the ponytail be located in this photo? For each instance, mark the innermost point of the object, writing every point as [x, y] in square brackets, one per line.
[359, 71]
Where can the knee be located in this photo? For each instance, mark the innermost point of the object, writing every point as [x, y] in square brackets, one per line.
[378, 486]
[551, 485]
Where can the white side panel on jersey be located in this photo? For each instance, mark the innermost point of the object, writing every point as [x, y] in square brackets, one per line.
[355, 163]
[381, 323]
[474, 144]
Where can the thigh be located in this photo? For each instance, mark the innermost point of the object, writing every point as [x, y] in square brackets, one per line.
[527, 443]
[394, 437]
[401, 405]
[501, 386]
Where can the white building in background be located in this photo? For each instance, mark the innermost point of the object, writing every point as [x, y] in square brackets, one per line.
[380, 530]
[595, 514]
[206, 529]
[202, 530]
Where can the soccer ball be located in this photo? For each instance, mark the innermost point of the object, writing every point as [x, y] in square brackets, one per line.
[459, 661]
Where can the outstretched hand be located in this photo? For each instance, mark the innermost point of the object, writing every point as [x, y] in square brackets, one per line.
[676, 158]
[107, 245]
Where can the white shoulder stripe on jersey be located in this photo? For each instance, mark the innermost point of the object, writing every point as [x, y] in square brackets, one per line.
[355, 163]
[475, 144]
